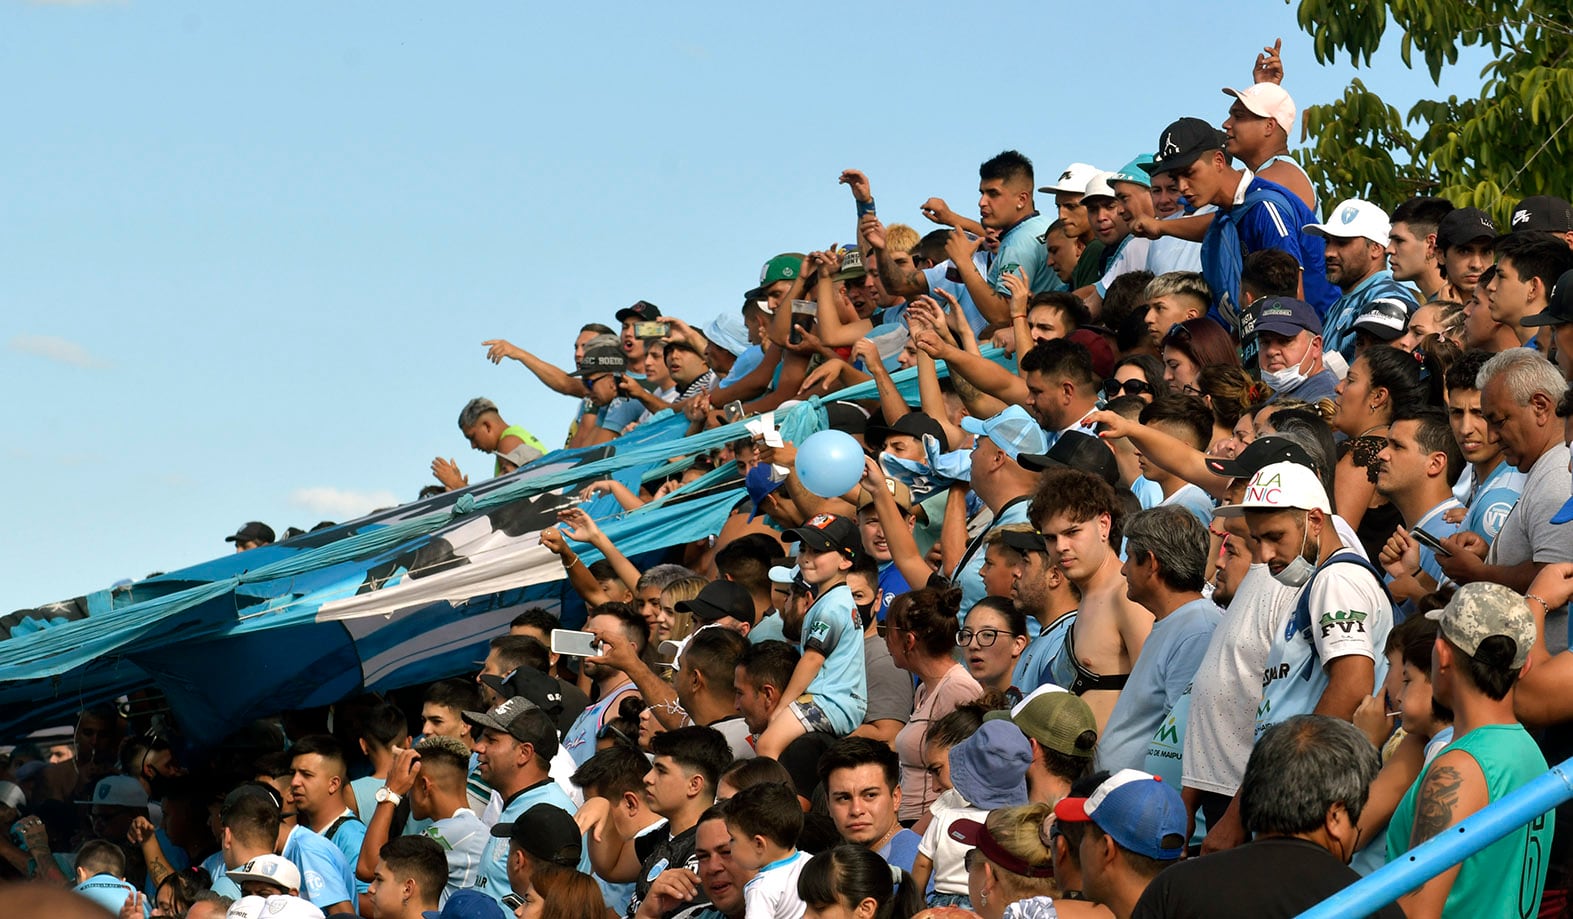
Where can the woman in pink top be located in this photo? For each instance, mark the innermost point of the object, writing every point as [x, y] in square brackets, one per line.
[921, 633]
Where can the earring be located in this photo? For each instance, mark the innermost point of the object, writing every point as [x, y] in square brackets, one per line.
[983, 897]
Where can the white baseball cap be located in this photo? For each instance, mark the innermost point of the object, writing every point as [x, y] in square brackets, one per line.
[269, 869]
[1352, 218]
[279, 907]
[1072, 181]
[1280, 487]
[1098, 186]
[1266, 100]
[118, 791]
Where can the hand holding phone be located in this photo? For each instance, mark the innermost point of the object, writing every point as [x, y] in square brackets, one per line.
[575, 644]
[1430, 542]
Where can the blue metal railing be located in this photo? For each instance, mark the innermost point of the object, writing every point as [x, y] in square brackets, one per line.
[1457, 843]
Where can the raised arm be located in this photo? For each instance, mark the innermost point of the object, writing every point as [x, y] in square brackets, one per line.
[903, 280]
[580, 527]
[553, 376]
[579, 577]
[960, 248]
[1173, 454]
[903, 548]
[890, 401]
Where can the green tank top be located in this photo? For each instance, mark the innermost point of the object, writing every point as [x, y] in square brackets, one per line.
[1506, 878]
[514, 430]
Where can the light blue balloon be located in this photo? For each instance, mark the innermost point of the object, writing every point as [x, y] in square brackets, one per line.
[830, 463]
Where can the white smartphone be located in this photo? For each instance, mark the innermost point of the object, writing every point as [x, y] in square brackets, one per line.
[575, 644]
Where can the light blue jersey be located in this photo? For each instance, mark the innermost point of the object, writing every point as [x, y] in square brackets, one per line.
[1022, 249]
[1492, 499]
[326, 877]
[1338, 329]
[1194, 499]
[770, 628]
[493, 880]
[1148, 492]
[1433, 523]
[579, 740]
[840, 688]
[1032, 668]
[1344, 609]
[347, 838]
[746, 363]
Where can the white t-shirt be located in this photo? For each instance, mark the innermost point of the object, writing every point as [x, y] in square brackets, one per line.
[772, 893]
[948, 855]
[1228, 685]
[1349, 613]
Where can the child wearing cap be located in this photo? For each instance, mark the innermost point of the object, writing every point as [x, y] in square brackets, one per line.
[986, 770]
[829, 686]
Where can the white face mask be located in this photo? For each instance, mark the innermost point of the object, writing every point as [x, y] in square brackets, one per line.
[1298, 571]
[1284, 380]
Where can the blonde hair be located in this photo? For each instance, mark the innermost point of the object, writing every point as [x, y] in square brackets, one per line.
[1019, 831]
[1180, 283]
[680, 591]
[901, 238]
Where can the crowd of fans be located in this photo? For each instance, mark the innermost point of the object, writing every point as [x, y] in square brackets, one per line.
[1240, 569]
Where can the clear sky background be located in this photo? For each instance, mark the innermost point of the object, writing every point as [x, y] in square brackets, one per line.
[248, 252]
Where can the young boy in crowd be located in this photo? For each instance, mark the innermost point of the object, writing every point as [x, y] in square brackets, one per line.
[829, 688]
[764, 821]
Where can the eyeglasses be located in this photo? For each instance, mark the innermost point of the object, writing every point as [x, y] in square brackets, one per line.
[1177, 333]
[1112, 388]
[985, 637]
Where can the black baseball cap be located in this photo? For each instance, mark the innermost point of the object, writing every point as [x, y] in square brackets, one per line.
[1024, 540]
[1075, 450]
[827, 533]
[602, 354]
[718, 600]
[1462, 225]
[532, 685]
[546, 832]
[1559, 309]
[254, 531]
[1258, 454]
[643, 311]
[912, 424]
[504, 716]
[1541, 213]
[1183, 143]
[847, 416]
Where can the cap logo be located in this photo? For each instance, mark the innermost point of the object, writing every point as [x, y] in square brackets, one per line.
[789, 272]
[1065, 176]
[1348, 214]
[1170, 148]
[820, 521]
[1265, 491]
[1518, 218]
[103, 792]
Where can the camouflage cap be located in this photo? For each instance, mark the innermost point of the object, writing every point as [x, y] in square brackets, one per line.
[1481, 610]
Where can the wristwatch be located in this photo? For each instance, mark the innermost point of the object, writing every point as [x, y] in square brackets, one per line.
[384, 795]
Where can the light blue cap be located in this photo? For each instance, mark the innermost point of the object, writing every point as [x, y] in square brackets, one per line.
[1013, 430]
[1133, 172]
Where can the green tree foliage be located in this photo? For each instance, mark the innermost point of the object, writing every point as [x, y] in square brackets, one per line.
[1513, 140]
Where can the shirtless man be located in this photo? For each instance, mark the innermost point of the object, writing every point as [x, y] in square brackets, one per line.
[1079, 514]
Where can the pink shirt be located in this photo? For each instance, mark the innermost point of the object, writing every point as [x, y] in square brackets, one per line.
[954, 688]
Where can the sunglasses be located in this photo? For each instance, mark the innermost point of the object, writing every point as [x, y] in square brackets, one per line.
[1113, 388]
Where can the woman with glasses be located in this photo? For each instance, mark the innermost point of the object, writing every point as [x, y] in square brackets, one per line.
[920, 631]
[1138, 375]
[1191, 345]
[992, 642]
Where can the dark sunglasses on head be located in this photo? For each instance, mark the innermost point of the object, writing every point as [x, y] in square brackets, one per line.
[1113, 388]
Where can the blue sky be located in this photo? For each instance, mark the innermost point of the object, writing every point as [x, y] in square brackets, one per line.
[250, 251]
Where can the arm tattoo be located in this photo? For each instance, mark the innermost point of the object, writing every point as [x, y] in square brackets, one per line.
[1438, 799]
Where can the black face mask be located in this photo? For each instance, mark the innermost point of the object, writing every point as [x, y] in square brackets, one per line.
[866, 613]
